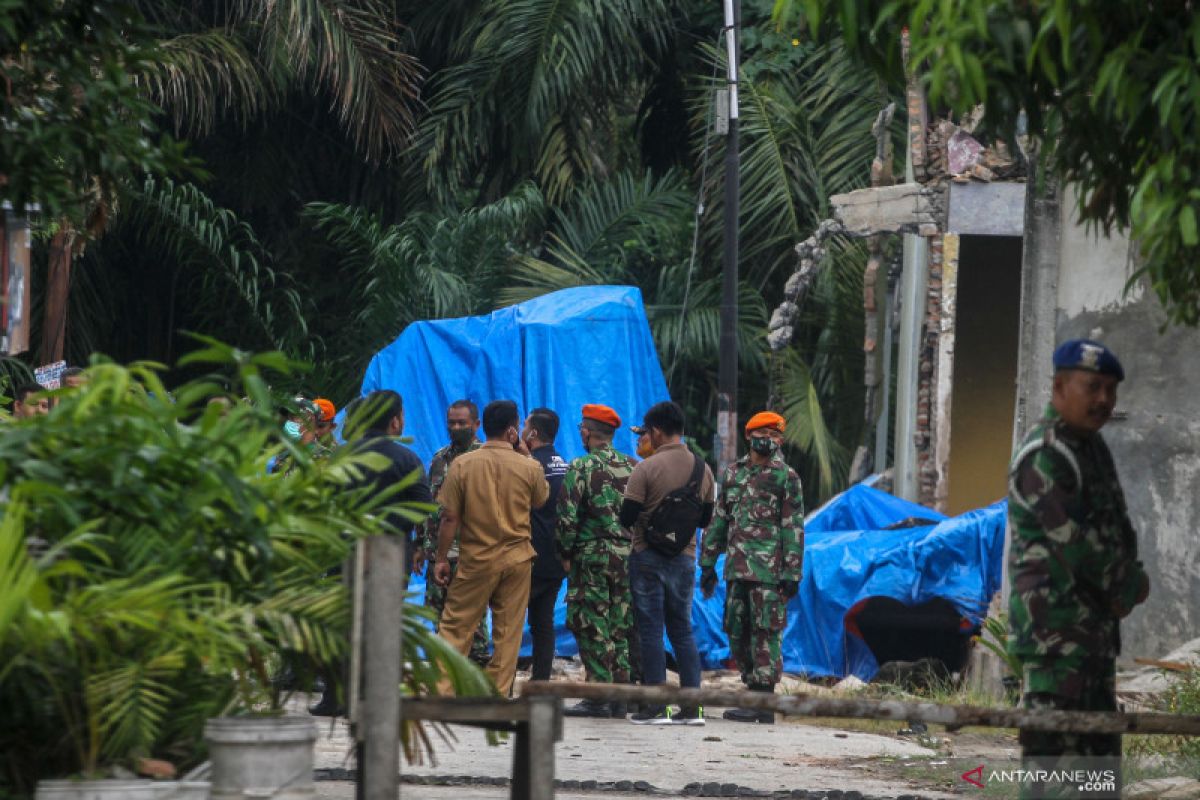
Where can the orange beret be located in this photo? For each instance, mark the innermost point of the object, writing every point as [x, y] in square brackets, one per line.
[326, 408]
[766, 419]
[601, 413]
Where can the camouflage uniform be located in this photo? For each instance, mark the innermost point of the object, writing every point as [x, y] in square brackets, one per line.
[759, 526]
[427, 535]
[1074, 574]
[599, 603]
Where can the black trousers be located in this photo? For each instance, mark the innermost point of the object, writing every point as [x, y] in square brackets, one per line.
[542, 595]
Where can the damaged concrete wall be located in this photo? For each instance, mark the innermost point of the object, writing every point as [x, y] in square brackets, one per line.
[1156, 438]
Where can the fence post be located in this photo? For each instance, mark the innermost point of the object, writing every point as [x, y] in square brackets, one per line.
[379, 769]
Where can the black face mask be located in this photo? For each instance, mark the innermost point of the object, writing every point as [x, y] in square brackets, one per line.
[764, 445]
[462, 436]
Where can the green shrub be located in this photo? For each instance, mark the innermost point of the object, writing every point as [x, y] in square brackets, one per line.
[155, 570]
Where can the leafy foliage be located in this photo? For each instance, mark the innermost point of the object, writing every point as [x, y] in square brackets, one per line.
[1111, 91]
[75, 124]
[155, 571]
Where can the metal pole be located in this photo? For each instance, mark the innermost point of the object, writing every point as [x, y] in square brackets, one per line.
[882, 431]
[727, 374]
[379, 770]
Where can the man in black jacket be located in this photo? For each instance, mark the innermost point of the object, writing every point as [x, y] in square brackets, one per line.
[382, 421]
[540, 429]
[380, 417]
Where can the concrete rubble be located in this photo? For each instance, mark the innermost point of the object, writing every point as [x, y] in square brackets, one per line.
[1163, 789]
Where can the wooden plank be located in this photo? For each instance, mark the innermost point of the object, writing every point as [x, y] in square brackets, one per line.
[1172, 666]
[465, 709]
[952, 717]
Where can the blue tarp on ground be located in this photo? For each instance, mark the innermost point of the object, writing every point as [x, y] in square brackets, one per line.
[958, 560]
[586, 345]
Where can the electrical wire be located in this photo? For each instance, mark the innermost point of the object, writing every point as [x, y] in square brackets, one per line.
[699, 213]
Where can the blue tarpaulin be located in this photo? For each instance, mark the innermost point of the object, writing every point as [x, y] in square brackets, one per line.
[586, 345]
[593, 345]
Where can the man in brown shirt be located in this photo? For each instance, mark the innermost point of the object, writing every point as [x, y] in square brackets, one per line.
[663, 584]
[486, 499]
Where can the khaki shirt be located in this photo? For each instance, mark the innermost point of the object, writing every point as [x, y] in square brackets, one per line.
[492, 490]
[653, 479]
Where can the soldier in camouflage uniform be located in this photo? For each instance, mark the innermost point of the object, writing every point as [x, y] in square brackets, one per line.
[595, 551]
[1073, 563]
[759, 527]
[462, 421]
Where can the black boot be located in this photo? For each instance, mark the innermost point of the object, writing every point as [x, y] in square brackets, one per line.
[328, 706]
[752, 715]
[618, 709]
[589, 708]
[741, 715]
[765, 717]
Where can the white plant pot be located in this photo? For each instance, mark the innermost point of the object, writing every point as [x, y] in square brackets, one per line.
[183, 790]
[109, 789]
[261, 757]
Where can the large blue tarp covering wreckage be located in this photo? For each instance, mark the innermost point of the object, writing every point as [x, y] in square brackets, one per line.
[593, 345]
[586, 345]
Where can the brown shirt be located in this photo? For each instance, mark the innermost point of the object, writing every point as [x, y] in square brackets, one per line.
[662, 473]
[492, 491]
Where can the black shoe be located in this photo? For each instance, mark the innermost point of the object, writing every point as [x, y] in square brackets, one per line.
[743, 715]
[589, 708]
[327, 707]
[619, 710]
[651, 715]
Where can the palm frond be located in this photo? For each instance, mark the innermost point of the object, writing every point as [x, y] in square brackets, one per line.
[199, 76]
[530, 88]
[800, 401]
[350, 50]
[196, 232]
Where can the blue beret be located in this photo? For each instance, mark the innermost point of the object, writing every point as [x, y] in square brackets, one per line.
[1088, 355]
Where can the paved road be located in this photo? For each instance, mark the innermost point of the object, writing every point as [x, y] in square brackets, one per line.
[761, 757]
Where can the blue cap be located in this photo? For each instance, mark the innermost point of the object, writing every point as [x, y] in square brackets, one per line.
[1088, 355]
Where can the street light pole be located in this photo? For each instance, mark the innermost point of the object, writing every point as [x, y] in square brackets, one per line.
[727, 374]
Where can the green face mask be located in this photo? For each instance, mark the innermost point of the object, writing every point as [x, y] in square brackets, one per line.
[763, 445]
[462, 437]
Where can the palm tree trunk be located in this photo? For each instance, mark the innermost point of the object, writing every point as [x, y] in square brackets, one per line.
[58, 287]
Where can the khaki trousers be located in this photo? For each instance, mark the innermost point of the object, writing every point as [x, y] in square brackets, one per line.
[506, 592]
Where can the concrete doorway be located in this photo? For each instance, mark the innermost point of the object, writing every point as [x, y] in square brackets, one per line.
[986, 330]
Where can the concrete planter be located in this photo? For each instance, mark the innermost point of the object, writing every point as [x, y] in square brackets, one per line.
[261, 757]
[184, 790]
[98, 790]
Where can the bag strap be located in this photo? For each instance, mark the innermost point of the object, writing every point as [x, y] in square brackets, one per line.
[697, 475]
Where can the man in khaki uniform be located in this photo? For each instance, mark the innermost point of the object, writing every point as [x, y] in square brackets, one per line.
[486, 500]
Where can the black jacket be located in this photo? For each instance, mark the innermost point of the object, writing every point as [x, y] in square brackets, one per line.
[402, 463]
[544, 520]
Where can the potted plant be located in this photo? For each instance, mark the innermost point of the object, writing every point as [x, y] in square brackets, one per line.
[161, 573]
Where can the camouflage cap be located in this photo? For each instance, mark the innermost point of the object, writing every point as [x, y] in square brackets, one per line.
[1089, 355]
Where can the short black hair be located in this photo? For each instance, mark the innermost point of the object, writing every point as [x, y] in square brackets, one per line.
[545, 422]
[667, 416]
[379, 408]
[23, 391]
[469, 405]
[499, 416]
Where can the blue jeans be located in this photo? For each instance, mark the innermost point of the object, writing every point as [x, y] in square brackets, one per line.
[662, 596]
